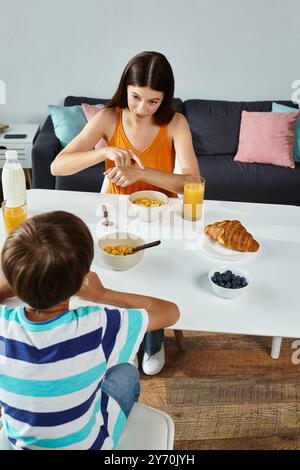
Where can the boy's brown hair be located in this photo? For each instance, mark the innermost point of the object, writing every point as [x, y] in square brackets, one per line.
[46, 258]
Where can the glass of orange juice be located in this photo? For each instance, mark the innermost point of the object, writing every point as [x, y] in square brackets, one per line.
[13, 215]
[193, 196]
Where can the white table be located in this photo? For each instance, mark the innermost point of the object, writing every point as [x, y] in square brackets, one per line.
[177, 269]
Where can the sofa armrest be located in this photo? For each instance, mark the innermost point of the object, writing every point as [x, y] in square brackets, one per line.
[44, 150]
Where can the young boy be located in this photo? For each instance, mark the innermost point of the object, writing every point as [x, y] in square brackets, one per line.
[65, 377]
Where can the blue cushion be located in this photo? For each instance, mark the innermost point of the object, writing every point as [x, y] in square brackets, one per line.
[280, 108]
[68, 121]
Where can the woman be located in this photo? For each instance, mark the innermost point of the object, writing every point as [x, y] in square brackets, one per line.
[143, 133]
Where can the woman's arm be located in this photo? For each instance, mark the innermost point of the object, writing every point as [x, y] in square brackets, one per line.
[182, 139]
[79, 154]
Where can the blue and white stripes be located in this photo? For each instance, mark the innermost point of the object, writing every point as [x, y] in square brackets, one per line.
[51, 375]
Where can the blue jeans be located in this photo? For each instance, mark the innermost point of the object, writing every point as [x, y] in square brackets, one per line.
[153, 341]
[122, 383]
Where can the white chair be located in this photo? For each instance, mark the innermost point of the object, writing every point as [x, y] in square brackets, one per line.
[145, 429]
[4, 442]
[105, 185]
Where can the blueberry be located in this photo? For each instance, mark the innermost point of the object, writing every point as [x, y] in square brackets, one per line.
[228, 285]
[217, 273]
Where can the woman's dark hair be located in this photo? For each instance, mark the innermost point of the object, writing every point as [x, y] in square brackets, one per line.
[148, 69]
[46, 258]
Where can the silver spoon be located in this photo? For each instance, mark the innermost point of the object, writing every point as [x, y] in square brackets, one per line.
[105, 213]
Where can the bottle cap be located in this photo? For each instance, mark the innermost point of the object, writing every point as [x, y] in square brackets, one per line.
[11, 155]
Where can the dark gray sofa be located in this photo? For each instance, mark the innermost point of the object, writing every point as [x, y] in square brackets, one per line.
[215, 127]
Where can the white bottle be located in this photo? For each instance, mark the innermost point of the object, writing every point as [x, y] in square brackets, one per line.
[13, 180]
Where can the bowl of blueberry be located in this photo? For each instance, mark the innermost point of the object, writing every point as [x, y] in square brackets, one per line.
[228, 282]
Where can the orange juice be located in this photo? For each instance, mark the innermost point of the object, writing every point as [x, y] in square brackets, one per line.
[193, 198]
[13, 216]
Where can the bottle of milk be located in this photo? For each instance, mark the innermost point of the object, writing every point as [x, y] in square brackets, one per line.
[13, 180]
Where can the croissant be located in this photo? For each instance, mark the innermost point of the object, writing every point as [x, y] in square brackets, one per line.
[232, 234]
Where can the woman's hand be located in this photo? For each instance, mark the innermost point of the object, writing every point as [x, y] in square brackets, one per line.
[122, 157]
[123, 175]
[92, 288]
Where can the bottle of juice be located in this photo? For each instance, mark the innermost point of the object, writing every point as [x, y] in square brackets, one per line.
[13, 180]
[14, 192]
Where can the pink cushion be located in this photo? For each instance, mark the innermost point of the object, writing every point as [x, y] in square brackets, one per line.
[267, 138]
[90, 111]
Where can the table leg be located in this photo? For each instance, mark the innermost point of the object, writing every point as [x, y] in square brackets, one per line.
[276, 345]
[179, 340]
[28, 176]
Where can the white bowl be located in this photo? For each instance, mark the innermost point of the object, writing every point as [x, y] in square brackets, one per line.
[228, 293]
[120, 263]
[147, 214]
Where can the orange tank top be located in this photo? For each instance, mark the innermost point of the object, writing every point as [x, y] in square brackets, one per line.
[159, 155]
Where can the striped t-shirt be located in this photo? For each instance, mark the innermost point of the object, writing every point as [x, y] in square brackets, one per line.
[51, 374]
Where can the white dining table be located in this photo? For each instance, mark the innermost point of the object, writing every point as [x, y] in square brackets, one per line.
[178, 268]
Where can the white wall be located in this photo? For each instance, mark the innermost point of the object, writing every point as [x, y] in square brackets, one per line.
[219, 49]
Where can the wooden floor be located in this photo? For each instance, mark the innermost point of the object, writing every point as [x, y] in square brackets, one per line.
[226, 392]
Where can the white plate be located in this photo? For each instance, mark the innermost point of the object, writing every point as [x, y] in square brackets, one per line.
[214, 249]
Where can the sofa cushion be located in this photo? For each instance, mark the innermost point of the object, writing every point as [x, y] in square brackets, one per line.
[227, 180]
[215, 125]
[279, 108]
[67, 122]
[89, 111]
[267, 138]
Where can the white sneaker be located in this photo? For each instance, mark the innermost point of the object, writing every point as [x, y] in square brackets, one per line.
[153, 364]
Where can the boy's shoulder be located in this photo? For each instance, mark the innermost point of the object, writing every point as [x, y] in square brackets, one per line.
[8, 312]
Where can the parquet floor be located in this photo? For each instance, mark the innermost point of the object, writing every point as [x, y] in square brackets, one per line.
[226, 392]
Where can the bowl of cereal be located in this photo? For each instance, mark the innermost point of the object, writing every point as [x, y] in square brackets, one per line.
[147, 205]
[116, 250]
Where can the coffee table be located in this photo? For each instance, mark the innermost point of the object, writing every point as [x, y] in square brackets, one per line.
[178, 269]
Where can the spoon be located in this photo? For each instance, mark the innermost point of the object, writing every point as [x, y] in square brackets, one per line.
[105, 213]
[147, 245]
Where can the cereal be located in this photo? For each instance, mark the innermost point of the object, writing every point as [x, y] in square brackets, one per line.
[148, 202]
[118, 250]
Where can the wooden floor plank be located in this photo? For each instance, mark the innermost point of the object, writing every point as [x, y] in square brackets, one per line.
[226, 392]
[279, 442]
[234, 421]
